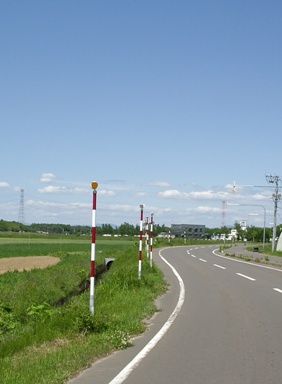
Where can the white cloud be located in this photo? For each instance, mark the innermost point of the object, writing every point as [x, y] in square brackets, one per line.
[47, 177]
[3, 184]
[174, 193]
[50, 204]
[105, 192]
[115, 185]
[121, 207]
[260, 196]
[44, 204]
[171, 193]
[159, 184]
[208, 195]
[80, 205]
[162, 211]
[58, 189]
[79, 190]
[141, 194]
[52, 189]
[206, 209]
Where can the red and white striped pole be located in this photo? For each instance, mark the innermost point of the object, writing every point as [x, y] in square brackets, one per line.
[140, 242]
[147, 236]
[94, 186]
[151, 240]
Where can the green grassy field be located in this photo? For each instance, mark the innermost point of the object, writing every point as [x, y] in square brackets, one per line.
[47, 333]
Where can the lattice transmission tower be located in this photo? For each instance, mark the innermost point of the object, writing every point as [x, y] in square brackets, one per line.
[223, 213]
[21, 211]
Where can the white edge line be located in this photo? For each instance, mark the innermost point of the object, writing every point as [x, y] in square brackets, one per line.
[244, 262]
[152, 343]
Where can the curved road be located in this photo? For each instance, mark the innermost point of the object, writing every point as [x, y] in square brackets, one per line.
[225, 323]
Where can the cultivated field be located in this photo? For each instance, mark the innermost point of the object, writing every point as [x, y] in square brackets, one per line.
[26, 263]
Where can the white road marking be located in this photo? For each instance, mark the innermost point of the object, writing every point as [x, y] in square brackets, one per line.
[152, 343]
[246, 277]
[219, 266]
[255, 265]
[192, 255]
[203, 260]
[277, 290]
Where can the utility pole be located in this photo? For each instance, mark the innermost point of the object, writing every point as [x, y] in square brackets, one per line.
[274, 179]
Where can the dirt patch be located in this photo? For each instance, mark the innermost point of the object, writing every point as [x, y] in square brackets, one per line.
[26, 263]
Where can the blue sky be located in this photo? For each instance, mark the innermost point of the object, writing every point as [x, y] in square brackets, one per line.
[163, 103]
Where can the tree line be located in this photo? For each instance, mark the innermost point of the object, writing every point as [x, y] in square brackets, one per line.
[124, 229]
[251, 233]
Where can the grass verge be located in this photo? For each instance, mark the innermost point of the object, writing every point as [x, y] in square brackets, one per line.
[42, 342]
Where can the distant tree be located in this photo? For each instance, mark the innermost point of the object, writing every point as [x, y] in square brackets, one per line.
[126, 229]
[240, 232]
[3, 226]
[157, 229]
[107, 229]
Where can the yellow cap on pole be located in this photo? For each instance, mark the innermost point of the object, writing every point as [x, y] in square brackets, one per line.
[94, 185]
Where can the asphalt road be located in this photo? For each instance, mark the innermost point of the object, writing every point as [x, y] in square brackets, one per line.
[220, 322]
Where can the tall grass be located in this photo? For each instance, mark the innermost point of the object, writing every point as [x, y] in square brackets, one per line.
[47, 343]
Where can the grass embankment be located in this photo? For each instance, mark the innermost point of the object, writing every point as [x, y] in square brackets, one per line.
[44, 342]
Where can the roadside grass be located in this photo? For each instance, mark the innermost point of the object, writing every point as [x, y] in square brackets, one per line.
[42, 341]
[265, 252]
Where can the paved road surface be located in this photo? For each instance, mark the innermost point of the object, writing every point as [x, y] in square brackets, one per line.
[228, 330]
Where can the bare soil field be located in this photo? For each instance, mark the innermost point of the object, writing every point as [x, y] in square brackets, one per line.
[26, 263]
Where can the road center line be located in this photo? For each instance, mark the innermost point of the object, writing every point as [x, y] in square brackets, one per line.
[192, 255]
[219, 266]
[246, 277]
[277, 290]
[203, 260]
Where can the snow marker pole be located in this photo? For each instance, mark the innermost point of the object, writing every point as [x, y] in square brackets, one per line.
[94, 186]
[140, 242]
[151, 240]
